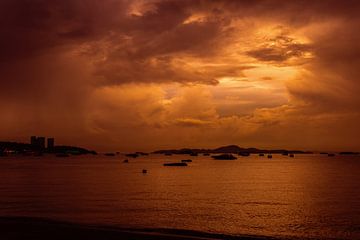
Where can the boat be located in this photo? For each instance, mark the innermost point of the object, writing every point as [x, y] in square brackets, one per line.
[110, 154]
[261, 155]
[186, 160]
[206, 154]
[291, 155]
[144, 171]
[224, 157]
[142, 153]
[269, 156]
[179, 164]
[133, 155]
[126, 161]
[244, 154]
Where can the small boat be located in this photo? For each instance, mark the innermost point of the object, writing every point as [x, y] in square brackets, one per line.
[142, 153]
[291, 155]
[224, 157]
[133, 155]
[244, 154]
[110, 154]
[126, 161]
[62, 155]
[206, 154]
[261, 155]
[144, 171]
[186, 160]
[179, 164]
[269, 156]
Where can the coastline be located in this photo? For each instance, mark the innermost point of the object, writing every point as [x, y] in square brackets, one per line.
[12, 228]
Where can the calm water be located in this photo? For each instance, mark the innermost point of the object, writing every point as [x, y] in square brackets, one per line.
[308, 196]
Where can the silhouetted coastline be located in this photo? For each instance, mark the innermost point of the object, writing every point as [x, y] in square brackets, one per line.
[9, 148]
[229, 149]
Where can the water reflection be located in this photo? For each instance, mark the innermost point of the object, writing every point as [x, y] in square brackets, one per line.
[309, 195]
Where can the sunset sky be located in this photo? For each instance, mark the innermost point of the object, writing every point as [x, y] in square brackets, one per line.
[145, 75]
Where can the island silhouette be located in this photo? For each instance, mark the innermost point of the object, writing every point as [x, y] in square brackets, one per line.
[228, 149]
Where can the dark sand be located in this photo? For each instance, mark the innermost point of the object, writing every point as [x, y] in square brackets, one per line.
[38, 228]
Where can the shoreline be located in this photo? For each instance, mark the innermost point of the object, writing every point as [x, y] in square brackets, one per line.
[12, 228]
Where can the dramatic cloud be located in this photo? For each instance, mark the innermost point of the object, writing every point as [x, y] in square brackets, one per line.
[139, 74]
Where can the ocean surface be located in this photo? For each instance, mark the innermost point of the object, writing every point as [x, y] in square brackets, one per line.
[312, 196]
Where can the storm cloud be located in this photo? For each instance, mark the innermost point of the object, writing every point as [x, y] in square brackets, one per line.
[106, 71]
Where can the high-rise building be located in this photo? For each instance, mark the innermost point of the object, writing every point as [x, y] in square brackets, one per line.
[41, 142]
[33, 140]
[50, 143]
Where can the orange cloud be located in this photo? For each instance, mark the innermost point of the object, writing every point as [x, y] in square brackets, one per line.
[263, 72]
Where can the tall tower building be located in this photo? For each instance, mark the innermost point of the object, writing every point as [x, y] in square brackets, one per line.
[41, 142]
[33, 140]
[50, 143]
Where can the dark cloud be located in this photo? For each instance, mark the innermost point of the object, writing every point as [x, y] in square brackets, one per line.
[55, 54]
[280, 49]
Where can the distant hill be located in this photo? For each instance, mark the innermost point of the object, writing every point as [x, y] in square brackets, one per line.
[227, 149]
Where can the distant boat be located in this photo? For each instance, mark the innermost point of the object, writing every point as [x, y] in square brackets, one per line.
[291, 155]
[110, 154]
[133, 155]
[126, 161]
[144, 171]
[244, 154]
[62, 155]
[285, 153]
[142, 153]
[269, 156]
[261, 155]
[179, 164]
[186, 160]
[331, 155]
[224, 157]
[348, 153]
[206, 154]
[193, 154]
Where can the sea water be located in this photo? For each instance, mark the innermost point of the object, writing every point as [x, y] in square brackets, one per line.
[306, 196]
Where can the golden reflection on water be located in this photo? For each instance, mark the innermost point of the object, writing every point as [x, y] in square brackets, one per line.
[309, 195]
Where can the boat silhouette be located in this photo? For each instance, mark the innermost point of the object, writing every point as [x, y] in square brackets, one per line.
[179, 164]
[186, 160]
[224, 157]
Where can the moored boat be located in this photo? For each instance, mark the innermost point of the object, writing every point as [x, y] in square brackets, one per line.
[178, 164]
[186, 160]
